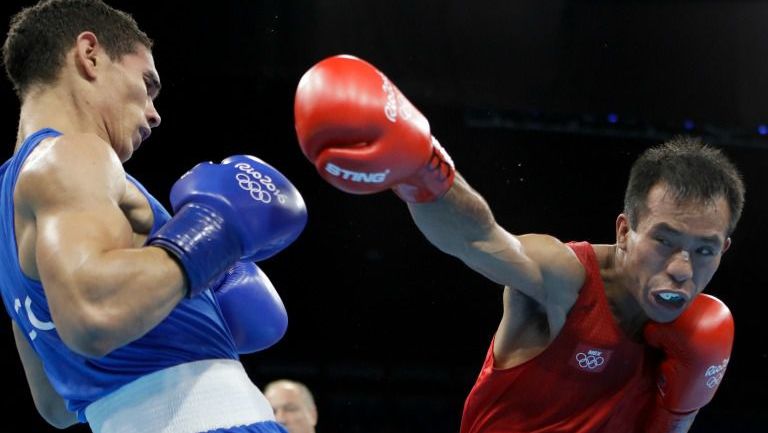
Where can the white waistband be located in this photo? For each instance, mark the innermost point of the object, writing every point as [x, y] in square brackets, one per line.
[187, 398]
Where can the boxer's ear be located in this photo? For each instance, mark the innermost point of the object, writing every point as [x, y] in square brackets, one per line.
[86, 54]
[726, 244]
[622, 231]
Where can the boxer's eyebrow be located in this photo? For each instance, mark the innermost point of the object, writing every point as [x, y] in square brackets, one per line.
[666, 228]
[153, 84]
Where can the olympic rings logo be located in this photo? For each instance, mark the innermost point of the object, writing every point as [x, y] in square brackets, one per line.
[590, 362]
[259, 186]
[253, 187]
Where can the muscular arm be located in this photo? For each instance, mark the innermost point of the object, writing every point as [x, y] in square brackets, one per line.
[461, 224]
[103, 292]
[339, 104]
[541, 274]
[48, 402]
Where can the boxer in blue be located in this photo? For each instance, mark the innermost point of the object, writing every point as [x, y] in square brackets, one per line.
[125, 317]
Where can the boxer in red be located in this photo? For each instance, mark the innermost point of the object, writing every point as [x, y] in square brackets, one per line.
[593, 338]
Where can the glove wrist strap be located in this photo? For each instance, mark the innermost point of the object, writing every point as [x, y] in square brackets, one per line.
[203, 244]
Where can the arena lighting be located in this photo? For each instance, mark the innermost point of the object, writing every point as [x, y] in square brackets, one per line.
[613, 125]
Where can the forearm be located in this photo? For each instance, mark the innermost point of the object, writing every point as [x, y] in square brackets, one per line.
[58, 415]
[114, 298]
[344, 93]
[48, 402]
[456, 221]
[461, 224]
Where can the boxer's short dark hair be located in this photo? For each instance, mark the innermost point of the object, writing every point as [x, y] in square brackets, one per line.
[40, 36]
[691, 170]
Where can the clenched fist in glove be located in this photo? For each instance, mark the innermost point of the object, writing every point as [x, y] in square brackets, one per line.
[363, 135]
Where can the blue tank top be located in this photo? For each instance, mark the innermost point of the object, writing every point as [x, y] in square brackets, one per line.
[194, 330]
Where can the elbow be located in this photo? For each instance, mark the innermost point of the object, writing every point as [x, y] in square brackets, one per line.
[478, 241]
[89, 336]
[88, 344]
[93, 329]
[55, 413]
[60, 421]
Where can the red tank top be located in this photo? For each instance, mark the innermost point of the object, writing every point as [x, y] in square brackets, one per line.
[591, 378]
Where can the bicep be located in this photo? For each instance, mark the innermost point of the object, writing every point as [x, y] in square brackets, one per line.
[73, 196]
[462, 224]
[536, 265]
[535, 309]
[73, 193]
[72, 250]
[102, 290]
[70, 239]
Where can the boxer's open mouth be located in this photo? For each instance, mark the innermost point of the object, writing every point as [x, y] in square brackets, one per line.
[670, 300]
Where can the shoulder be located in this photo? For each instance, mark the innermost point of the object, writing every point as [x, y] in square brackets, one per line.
[562, 276]
[69, 165]
[72, 150]
[561, 269]
[530, 323]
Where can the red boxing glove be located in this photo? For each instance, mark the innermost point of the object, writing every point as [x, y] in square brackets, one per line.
[697, 346]
[363, 135]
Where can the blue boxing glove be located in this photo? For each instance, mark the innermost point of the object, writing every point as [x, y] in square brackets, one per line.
[242, 208]
[251, 307]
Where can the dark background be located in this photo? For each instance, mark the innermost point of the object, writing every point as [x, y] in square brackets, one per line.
[543, 106]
